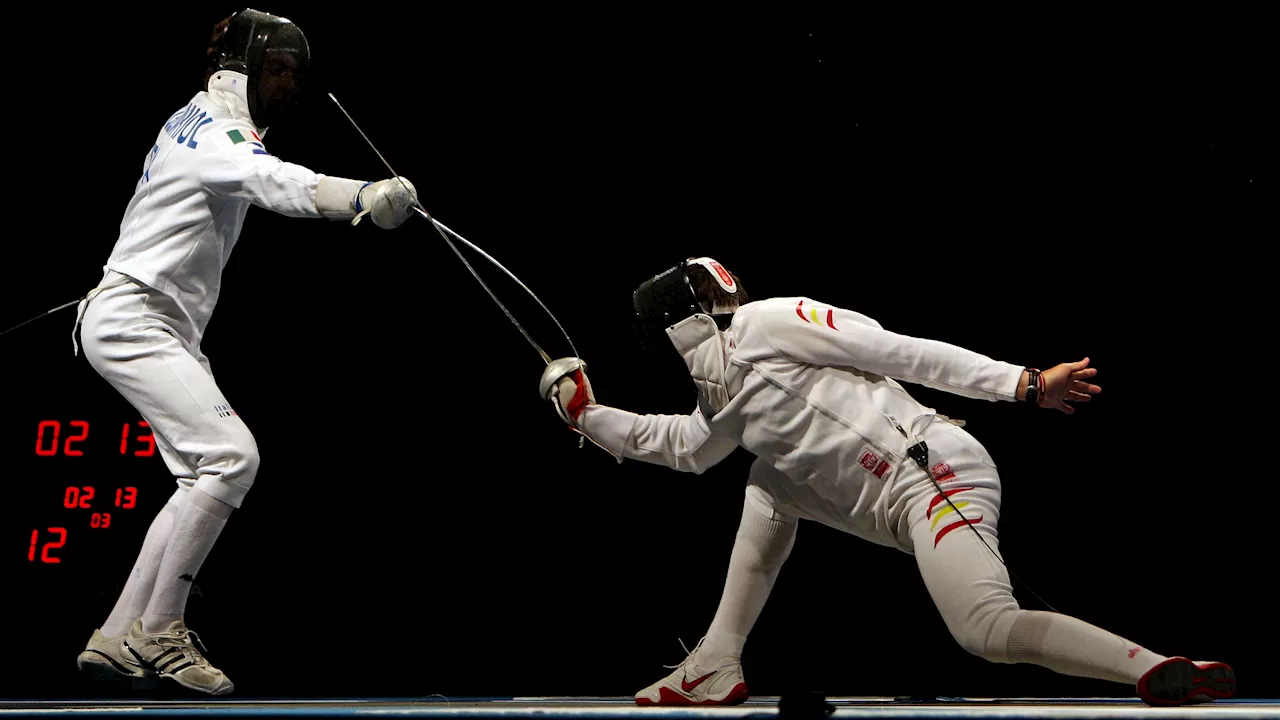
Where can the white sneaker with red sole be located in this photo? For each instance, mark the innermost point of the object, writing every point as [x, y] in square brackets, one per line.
[693, 683]
[1179, 681]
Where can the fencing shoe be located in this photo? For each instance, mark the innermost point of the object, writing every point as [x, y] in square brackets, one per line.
[108, 660]
[718, 683]
[1179, 681]
[173, 654]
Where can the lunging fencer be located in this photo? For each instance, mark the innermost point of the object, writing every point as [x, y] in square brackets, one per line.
[812, 391]
[141, 327]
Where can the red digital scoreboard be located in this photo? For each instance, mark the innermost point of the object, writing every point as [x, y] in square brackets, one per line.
[92, 502]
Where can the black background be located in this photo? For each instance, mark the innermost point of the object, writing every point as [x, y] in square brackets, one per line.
[423, 524]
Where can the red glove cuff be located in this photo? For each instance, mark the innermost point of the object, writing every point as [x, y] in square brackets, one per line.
[580, 399]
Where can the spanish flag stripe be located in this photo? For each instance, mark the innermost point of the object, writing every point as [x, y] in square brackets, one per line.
[946, 511]
[939, 498]
[942, 533]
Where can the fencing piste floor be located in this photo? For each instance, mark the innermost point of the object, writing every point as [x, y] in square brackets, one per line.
[585, 708]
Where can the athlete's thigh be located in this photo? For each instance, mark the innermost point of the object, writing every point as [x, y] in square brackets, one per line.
[131, 346]
[953, 532]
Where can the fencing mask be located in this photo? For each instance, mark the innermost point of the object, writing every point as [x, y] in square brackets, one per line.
[669, 313]
[272, 53]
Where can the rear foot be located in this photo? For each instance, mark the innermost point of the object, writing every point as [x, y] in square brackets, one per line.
[1179, 681]
[107, 662]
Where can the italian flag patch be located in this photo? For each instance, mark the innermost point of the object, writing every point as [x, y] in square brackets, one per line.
[237, 137]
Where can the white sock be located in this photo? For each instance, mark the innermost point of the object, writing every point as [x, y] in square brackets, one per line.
[1074, 647]
[761, 547]
[137, 590]
[198, 525]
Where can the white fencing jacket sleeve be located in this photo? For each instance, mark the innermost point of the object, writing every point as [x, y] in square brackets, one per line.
[246, 171]
[805, 331]
[681, 442]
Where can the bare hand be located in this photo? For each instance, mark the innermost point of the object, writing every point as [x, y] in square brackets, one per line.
[1065, 383]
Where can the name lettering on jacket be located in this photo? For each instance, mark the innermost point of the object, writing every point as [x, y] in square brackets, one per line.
[184, 125]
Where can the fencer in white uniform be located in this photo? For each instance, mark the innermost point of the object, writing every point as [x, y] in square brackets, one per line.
[141, 328]
[812, 391]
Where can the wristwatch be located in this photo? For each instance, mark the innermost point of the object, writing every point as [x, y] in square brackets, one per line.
[1035, 386]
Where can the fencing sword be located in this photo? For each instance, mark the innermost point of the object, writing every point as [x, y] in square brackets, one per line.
[563, 366]
[556, 369]
[440, 228]
[47, 312]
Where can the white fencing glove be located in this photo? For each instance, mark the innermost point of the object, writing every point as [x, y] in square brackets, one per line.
[388, 202]
[564, 382]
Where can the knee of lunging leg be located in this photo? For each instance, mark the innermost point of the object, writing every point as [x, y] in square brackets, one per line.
[986, 634]
[971, 639]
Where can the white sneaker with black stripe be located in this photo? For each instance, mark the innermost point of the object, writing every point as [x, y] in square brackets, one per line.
[173, 654]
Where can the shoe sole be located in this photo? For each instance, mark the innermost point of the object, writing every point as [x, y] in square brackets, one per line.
[203, 691]
[1178, 681]
[102, 669]
[668, 697]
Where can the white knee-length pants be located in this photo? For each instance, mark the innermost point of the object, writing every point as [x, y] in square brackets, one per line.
[139, 341]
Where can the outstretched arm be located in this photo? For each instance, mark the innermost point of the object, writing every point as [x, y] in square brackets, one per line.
[680, 442]
[241, 167]
[817, 334]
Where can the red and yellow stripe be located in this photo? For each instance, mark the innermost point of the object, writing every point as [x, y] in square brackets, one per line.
[817, 320]
[943, 512]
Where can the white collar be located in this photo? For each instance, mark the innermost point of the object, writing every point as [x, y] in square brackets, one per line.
[230, 90]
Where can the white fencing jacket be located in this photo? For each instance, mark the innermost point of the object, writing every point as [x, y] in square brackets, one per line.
[807, 387]
[207, 166]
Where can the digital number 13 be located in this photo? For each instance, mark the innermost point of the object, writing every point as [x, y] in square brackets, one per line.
[148, 438]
